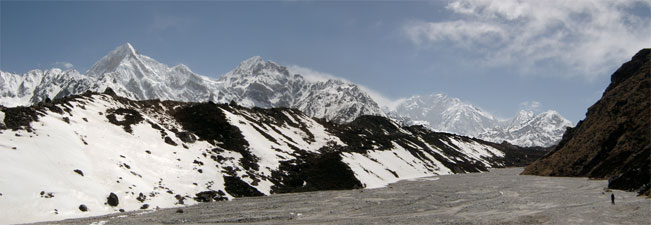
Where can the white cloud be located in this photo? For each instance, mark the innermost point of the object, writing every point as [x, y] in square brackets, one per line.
[531, 106]
[317, 76]
[383, 101]
[313, 75]
[587, 37]
[65, 65]
[461, 33]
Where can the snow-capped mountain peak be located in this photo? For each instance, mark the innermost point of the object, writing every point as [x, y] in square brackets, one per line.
[527, 129]
[445, 113]
[256, 82]
[182, 68]
[520, 118]
[250, 63]
[256, 66]
[112, 61]
[449, 114]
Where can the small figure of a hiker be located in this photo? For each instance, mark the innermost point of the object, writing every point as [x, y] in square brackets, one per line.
[612, 198]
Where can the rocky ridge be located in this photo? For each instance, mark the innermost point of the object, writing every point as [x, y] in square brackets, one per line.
[613, 141]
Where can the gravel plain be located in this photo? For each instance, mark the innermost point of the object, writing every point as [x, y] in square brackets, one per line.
[500, 196]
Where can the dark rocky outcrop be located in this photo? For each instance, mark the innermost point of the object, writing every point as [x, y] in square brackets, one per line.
[516, 156]
[20, 117]
[109, 91]
[83, 208]
[129, 117]
[613, 141]
[236, 187]
[210, 196]
[112, 200]
[314, 172]
[207, 121]
[78, 171]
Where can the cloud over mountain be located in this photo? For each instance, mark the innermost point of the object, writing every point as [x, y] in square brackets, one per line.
[583, 36]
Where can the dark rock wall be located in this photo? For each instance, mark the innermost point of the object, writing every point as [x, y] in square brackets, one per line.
[613, 141]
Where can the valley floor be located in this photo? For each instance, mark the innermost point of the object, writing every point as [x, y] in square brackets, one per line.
[497, 197]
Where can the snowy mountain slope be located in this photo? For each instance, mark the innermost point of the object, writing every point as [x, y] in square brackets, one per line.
[447, 114]
[78, 150]
[256, 82]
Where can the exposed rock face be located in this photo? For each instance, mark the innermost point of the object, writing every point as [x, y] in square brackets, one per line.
[613, 140]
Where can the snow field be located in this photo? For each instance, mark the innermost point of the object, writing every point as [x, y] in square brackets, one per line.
[129, 163]
[113, 161]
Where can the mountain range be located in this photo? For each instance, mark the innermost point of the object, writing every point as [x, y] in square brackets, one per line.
[448, 114]
[259, 83]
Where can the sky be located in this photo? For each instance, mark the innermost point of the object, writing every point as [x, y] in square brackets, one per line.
[503, 56]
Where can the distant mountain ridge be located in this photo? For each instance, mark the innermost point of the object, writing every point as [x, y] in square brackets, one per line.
[528, 129]
[445, 113]
[266, 84]
[448, 114]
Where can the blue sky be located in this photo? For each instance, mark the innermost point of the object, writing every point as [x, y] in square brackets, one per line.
[502, 56]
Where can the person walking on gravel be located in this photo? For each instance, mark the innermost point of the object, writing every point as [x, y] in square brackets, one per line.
[612, 198]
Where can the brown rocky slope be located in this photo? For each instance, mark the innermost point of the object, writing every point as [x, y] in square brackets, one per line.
[612, 142]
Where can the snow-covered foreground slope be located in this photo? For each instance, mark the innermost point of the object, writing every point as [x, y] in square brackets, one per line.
[76, 151]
